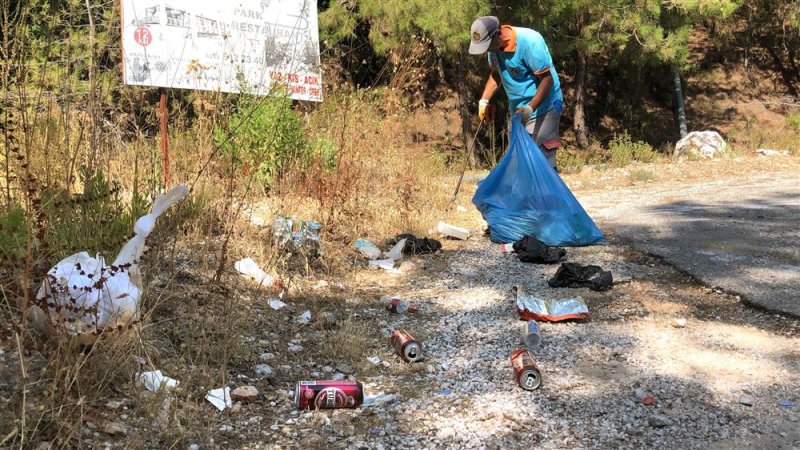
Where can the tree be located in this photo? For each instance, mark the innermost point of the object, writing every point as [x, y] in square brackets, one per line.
[395, 24]
[662, 31]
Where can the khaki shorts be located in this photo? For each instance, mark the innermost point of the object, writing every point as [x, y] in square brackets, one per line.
[544, 131]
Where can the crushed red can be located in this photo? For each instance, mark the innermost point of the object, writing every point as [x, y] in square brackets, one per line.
[405, 345]
[328, 394]
[526, 373]
[397, 305]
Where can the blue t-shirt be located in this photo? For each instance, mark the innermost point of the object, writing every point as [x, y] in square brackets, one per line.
[518, 71]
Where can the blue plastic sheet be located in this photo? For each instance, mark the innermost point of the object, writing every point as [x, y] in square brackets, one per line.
[524, 196]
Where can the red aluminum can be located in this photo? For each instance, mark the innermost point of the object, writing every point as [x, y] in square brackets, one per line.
[525, 371]
[328, 394]
[405, 345]
[397, 305]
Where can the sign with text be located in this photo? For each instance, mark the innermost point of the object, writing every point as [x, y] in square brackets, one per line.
[253, 46]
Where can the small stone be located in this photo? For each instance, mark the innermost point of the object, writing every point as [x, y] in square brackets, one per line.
[429, 368]
[325, 320]
[344, 368]
[659, 421]
[114, 404]
[648, 400]
[263, 370]
[327, 369]
[194, 447]
[679, 322]
[236, 408]
[114, 429]
[407, 266]
[295, 348]
[746, 400]
[244, 394]
[264, 357]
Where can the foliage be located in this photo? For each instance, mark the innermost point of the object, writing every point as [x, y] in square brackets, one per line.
[623, 150]
[326, 151]
[13, 234]
[569, 163]
[263, 134]
[793, 121]
[393, 24]
[97, 220]
[642, 175]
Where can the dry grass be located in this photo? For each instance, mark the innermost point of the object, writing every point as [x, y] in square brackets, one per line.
[349, 343]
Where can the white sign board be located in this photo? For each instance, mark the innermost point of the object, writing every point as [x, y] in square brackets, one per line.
[253, 46]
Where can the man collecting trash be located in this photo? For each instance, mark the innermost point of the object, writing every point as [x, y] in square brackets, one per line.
[521, 62]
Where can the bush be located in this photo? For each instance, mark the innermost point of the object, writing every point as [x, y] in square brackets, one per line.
[264, 134]
[97, 220]
[793, 120]
[568, 163]
[326, 151]
[13, 234]
[623, 150]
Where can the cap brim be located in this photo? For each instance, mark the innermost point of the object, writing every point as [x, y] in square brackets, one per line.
[479, 48]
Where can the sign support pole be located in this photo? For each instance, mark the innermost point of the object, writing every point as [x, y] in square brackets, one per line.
[164, 139]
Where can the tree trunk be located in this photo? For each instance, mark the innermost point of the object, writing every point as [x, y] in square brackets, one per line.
[676, 79]
[579, 116]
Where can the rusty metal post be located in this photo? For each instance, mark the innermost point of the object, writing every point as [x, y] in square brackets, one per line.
[164, 139]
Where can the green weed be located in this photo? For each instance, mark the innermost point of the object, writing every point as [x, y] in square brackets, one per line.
[623, 150]
[641, 175]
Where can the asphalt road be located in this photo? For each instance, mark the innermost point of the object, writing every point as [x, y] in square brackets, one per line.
[741, 235]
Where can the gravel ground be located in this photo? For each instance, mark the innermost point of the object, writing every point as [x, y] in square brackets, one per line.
[717, 378]
[723, 375]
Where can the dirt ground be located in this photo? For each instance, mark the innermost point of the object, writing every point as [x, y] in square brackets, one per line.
[723, 375]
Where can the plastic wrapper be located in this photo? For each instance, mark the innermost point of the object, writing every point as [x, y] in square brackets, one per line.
[553, 310]
[155, 381]
[368, 249]
[297, 235]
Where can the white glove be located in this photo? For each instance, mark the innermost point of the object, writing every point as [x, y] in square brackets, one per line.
[526, 111]
[482, 106]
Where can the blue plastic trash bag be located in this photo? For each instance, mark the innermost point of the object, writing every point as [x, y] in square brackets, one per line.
[524, 196]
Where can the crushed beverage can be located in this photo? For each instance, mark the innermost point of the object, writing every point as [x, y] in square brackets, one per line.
[328, 394]
[533, 338]
[526, 373]
[397, 305]
[405, 345]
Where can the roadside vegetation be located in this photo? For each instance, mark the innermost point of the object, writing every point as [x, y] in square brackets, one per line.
[80, 162]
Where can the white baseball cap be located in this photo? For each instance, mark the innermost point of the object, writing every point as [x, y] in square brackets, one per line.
[482, 31]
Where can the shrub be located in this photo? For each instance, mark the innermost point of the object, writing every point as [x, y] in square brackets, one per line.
[97, 220]
[642, 175]
[623, 150]
[793, 120]
[264, 134]
[568, 163]
[13, 234]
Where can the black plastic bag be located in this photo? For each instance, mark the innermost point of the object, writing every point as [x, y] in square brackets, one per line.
[531, 250]
[574, 275]
[417, 246]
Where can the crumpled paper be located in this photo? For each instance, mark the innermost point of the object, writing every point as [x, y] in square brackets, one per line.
[220, 398]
